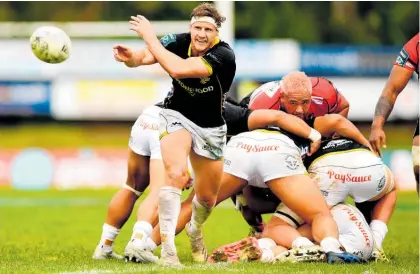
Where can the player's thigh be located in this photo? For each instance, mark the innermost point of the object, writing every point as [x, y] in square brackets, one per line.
[207, 176]
[301, 194]
[229, 186]
[175, 148]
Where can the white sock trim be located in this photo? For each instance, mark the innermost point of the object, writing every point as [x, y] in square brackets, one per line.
[138, 193]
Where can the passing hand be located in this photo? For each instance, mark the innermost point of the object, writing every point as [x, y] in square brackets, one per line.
[122, 53]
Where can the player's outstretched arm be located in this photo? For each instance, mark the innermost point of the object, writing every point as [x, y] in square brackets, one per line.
[133, 58]
[262, 118]
[329, 124]
[397, 81]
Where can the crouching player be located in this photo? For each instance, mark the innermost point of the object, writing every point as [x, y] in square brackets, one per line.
[354, 234]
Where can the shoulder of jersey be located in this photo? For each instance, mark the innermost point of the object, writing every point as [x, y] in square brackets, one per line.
[322, 87]
[174, 37]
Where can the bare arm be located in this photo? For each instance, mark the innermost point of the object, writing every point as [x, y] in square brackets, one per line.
[175, 66]
[141, 58]
[397, 81]
[329, 124]
[262, 118]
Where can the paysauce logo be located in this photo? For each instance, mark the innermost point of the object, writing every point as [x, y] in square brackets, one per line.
[349, 178]
[146, 125]
[359, 225]
[257, 148]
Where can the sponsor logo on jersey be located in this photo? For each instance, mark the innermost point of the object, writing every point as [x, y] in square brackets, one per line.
[349, 178]
[204, 80]
[402, 58]
[167, 39]
[193, 91]
[336, 143]
[317, 100]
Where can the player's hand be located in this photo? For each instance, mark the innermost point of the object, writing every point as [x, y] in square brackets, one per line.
[377, 139]
[315, 145]
[142, 27]
[122, 53]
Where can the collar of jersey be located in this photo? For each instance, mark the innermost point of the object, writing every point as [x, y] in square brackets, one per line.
[216, 41]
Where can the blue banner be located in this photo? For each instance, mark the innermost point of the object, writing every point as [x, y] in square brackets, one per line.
[25, 98]
[342, 60]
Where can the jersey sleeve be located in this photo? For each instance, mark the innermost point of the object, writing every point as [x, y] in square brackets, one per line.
[236, 118]
[216, 59]
[409, 54]
[325, 96]
[170, 41]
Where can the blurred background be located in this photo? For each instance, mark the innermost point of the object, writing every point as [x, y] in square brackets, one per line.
[66, 126]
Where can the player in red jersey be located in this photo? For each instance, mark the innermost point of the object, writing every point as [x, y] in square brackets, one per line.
[407, 62]
[325, 99]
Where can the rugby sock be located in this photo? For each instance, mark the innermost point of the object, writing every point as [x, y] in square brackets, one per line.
[379, 229]
[266, 245]
[301, 242]
[142, 230]
[331, 244]
[169, 209]
[200, 214]
[109, 233]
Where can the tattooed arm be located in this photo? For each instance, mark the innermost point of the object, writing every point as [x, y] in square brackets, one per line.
[397, 81]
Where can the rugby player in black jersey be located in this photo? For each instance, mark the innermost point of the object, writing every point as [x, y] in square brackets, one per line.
[191, 124]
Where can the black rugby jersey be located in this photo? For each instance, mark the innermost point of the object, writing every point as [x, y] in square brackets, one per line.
[333, 145]
[236, 118]
[201, 99]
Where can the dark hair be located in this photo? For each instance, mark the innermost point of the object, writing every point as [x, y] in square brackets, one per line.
[207, 9]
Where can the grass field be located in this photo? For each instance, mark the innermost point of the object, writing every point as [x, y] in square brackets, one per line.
[57, 231]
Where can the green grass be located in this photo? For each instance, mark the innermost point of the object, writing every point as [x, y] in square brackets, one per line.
[57, 231]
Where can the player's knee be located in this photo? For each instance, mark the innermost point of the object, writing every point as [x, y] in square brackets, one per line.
[207, 201]
[178, 176]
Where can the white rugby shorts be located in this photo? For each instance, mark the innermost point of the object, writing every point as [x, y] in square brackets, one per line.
[260, 156]
[359, 174]
[206, 142]
[144, 139]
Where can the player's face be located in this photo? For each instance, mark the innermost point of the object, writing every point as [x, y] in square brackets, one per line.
[296, 103]
[203, 35]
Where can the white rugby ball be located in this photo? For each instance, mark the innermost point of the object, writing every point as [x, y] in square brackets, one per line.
[50, 44]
